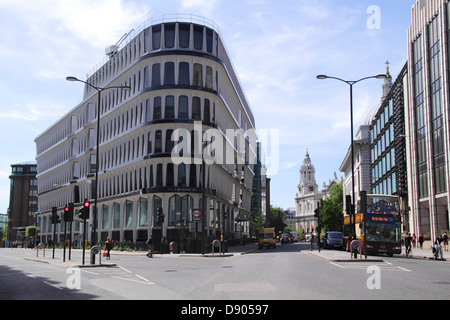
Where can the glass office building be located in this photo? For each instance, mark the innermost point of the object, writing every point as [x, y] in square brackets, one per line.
[427, 118]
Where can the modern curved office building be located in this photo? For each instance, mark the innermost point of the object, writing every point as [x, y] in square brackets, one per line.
[185, 98]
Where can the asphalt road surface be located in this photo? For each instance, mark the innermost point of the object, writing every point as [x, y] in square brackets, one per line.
[289, 272]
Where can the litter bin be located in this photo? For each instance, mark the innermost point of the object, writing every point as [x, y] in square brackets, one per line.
[173, 247]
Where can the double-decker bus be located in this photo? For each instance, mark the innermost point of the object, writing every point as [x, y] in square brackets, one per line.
[382, 223]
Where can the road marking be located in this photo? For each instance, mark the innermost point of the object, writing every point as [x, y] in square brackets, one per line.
[142, 280]
[337, 265]
[364, 265]
[404, 269]
[51, 284]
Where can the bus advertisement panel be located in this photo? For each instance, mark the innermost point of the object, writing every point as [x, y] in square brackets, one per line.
[382, 221]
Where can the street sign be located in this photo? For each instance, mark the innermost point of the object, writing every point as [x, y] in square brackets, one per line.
[196, 214]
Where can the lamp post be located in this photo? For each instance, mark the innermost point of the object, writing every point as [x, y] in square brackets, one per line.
[351, 83]
[99, 91]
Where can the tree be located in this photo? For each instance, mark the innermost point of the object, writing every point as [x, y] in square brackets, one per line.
[331, 211]
[276, 219]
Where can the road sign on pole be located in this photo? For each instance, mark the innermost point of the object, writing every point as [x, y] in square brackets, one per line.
[196, 214]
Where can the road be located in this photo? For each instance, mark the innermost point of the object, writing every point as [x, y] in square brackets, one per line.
[288, 272]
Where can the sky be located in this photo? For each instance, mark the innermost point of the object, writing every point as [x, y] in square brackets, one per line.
[277, 49]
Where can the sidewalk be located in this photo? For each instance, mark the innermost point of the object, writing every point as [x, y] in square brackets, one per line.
[102, 262]
[343, 256]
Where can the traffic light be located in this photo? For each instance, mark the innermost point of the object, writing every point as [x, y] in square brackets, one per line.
[84, 212]
[68, 213]
[55, 217]
[348, 204]
[316, 212]
[160, 214]
[363, 202]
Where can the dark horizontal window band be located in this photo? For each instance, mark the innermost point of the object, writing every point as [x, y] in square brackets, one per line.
[179, 86]
[152, 190]
[180, 53]
[188, 121]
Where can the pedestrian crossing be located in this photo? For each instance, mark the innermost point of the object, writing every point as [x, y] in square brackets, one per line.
[119, 273]
[387, 266]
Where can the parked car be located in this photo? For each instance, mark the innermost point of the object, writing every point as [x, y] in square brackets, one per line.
[333, 239]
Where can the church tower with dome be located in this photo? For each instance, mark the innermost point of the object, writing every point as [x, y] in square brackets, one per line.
[307, 197]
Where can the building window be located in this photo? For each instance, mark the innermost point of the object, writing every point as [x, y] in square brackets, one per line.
[169, 35]
[143, 212]
[76, 171]
[183, 109]
[158, 141]
[116, 215]
[180, 209]
[184, 33]
[169, 143]
[129, 214]
[181, 181]
[198, 75]
[209, 40]
[156, 75]
[169, 112]
[169, 175]
[183, 76]
[105, 217]
[157, 108]
[207, 111]
[198, 37]
[159, 175]
[209, 78]
[196, 113]
[156, 35]
[169, 73]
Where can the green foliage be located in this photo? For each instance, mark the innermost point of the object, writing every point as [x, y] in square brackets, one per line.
[30, 231]
[276, 218]
[331, 211]
[258, 222]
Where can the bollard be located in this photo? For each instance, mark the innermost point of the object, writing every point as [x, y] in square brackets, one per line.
[95, 250]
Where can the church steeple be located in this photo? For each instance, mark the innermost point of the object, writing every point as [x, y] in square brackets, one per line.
[387, 85]
[307, 175]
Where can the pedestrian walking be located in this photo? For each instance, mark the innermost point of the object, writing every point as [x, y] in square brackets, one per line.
[445, 240]
[150, 247]
[421, 239]
[108, 247]
[414, 240]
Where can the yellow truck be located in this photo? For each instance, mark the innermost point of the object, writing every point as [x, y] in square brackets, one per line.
[267, 238]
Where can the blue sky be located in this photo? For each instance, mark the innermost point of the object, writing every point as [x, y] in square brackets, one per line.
[277, 48]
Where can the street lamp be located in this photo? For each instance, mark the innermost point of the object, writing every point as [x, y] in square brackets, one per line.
[99, 90]
[351, 83]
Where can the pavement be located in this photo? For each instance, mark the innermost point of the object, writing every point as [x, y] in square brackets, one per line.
[46, 257]
[343, 256]
[329, 255]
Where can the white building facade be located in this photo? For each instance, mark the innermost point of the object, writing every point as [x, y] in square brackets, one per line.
[151, 140]
[308, 196]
